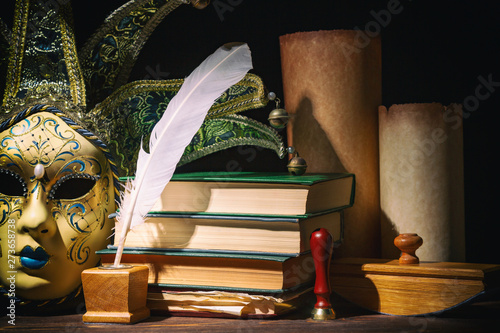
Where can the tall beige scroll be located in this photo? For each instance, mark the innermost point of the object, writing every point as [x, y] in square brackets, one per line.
[422, 180]
[332, 89]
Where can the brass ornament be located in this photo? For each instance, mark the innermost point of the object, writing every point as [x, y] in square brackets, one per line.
[278, 118]
[200, 4]
[297, 165]
[323, 314]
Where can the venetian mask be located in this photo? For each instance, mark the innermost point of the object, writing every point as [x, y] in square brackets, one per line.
[71, 123]
[56, 193]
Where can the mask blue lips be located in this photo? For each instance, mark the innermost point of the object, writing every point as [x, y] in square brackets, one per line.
[33, 259]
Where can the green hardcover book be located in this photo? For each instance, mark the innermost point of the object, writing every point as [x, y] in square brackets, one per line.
[256, 193]
[219, 270]
[280, 235]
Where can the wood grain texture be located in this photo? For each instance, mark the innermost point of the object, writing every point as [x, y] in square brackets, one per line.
[473, 318]
[115, 295]
[388, 287]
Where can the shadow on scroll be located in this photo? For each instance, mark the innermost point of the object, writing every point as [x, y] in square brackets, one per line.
[311, 141]
[388, 234]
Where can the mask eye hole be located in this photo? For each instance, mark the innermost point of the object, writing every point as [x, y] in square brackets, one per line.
[72, 187]
[11, 184]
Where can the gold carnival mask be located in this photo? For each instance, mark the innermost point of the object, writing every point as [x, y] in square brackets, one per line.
[56, 194]
[70, 124]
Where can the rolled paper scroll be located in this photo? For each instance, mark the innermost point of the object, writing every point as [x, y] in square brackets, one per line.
[422, 180]
[332, 89]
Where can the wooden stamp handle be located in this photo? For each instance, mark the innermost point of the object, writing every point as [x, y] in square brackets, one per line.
[408, 244]
[321, 248]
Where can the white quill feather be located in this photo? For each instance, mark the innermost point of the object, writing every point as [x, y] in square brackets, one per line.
[170, 136]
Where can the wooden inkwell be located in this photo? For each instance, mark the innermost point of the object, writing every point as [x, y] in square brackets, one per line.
[115, 294]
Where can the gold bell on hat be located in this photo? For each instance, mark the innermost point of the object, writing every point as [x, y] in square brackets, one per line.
[198, 4]
[278, 118]
[297, 165]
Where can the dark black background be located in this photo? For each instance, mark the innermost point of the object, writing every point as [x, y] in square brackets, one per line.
[433, 51]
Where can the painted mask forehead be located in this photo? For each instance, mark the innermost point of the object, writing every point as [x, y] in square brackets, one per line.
[43, 139]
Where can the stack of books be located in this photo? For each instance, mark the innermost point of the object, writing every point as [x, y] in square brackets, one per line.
[235, 244]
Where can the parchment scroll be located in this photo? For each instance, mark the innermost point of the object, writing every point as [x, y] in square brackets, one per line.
[332, 89]
[422, 180]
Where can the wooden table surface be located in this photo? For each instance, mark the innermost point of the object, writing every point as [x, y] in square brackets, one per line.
[477, 317]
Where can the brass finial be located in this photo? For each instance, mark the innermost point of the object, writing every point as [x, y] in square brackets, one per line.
[297, 165]
[278, 118]
[200, 4]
